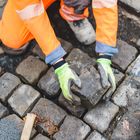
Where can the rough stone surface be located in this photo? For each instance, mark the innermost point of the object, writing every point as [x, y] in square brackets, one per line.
[3, 111]
[134, 68]
[72, 129]
[132, 3]
[126, 55]
[31, 68]
[100, 117]
[76, 110]
[49, 113]
[128, 128]
[8, 82]
[41, 137]
[95, 136]
[79, 60]
[128, 94]
[23, 99]
[91, 91]
[11, 128]
[138, 42]
[49, 83]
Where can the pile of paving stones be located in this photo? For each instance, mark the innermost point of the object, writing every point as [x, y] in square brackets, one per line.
[33, 87]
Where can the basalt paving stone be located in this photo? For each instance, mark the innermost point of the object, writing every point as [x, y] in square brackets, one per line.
[50, 115]
[8, 82]
[72, 129]
[23, 99]
[76, 110]
[3, 111]
[128, 94]
[91, 91]
[128, 128]
[126, 55]
[49, 83]
[134, 68]
[31, 68]
[65, 44]
[100, 117]
[95, 136]
[41, 137]
[79, 60]
[11, 128]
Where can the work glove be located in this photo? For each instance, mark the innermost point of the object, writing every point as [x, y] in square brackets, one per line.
[66, 76]
[78, 5]
[107, 76]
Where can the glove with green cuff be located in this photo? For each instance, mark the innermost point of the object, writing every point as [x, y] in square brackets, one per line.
[106, 73]
[66, 76]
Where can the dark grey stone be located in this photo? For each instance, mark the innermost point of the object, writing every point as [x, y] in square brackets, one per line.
[49, 113]
[31, 68]
[79, 60]
[41, 137]
[3, 111]
[91, 91]
[49, 83]
[76, 110]
[95, 136]
[8, 82]
[100, 117]
[23, 99]
[72, 129]
[126, 55]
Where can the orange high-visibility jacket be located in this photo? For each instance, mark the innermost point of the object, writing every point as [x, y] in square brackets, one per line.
[24, 20]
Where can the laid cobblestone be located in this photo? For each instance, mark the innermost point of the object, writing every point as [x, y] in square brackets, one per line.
[49, 113]
[132, 3]
[72, 129]
[3, 111]
[31, 68]
[79, 60]
[41, 137]
[76, 110]
[23, 99]
[127, 129]
[91, 91]
[49, 83]
[8, 82]
[134, 68]
[11, 128]
[128, 94]
[100, 117]
[126, 55]
[95, 136]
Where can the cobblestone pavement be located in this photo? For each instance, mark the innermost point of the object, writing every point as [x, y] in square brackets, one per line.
[27, 84]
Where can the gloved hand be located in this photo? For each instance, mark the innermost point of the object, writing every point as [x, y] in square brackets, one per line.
[78, 5]
[107, 76]
[66, 76]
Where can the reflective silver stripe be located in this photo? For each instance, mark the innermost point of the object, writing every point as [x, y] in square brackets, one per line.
[31, 11]
[103, 3]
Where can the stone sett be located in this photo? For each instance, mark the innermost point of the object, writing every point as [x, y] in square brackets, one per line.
[31, 68]
[100, 117]
[49, 83]
[95, 136]
[76, 110]
[134, 68]
[72, 129]
[126, 55]
[91, 91]
[41, 137]
[11, 128]
[3, 111]
[128, 93]
[79, 60]
[49, 113]
[128, 128]
[8, 82]
[23, 99]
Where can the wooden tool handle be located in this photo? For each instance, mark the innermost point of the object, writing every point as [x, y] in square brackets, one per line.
[30, 119]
